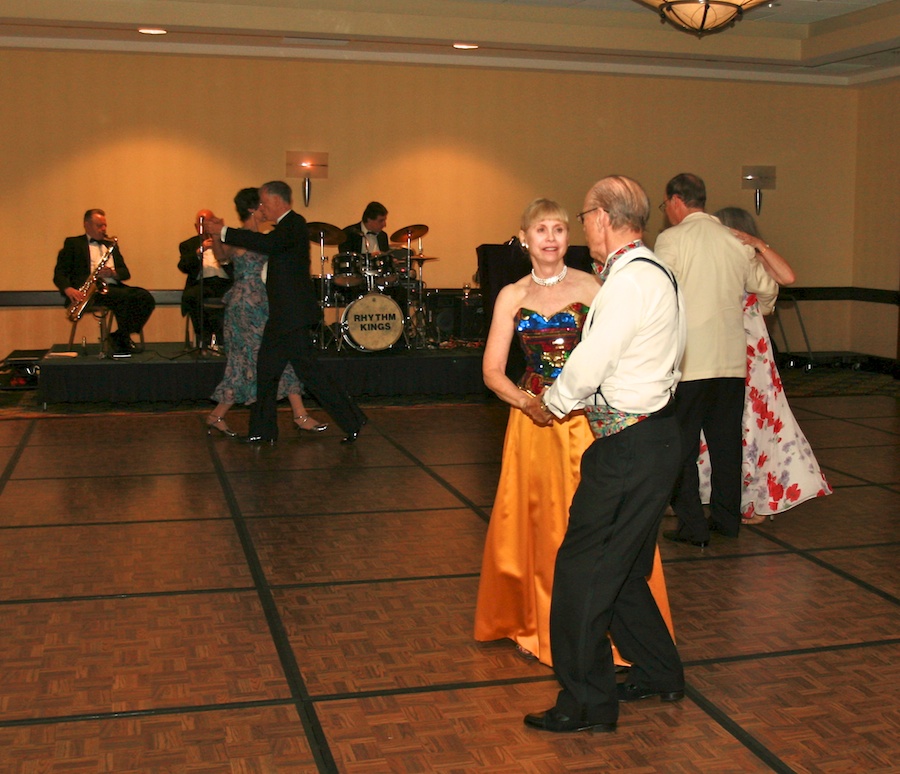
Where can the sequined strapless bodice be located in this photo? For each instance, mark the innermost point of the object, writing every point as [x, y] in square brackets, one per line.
[547, 343]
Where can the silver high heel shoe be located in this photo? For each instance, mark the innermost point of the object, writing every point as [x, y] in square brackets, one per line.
[218, 423]
[309, 425]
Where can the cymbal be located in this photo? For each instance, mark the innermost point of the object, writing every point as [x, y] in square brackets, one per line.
[423, 258]
[409, 232]
[331, 235]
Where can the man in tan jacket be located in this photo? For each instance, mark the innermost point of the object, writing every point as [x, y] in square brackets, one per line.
[713, 270]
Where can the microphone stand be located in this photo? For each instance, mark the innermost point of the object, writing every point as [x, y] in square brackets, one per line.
[201, 350]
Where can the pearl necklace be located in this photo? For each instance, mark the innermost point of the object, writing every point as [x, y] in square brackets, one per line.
[554, 280]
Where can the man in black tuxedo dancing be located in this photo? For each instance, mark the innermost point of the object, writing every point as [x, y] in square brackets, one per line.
[293, 311]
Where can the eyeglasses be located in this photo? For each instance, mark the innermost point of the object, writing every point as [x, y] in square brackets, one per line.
[662, 206]
[581, 215]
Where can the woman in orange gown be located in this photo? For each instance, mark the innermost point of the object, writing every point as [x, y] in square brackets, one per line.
[545, 310]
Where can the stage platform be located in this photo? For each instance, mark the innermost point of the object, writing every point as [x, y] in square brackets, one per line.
[163, 372]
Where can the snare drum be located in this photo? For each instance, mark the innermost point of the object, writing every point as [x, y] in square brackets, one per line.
[347, 272]
[372, 323]
[371, 265]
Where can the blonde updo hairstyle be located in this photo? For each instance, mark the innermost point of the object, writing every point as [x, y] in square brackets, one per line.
[543, 209]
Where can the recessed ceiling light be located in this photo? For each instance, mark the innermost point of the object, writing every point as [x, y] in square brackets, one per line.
[465, 46]
[151, 31]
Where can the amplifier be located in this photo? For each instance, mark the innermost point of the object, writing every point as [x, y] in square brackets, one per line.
[456, 313]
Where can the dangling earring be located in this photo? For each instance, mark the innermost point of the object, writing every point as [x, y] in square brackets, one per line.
[524, 246]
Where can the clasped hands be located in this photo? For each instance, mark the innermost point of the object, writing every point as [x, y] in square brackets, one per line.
[212, 226]
[534, 409]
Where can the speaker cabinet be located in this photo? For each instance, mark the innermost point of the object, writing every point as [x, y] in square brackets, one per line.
[456, 314]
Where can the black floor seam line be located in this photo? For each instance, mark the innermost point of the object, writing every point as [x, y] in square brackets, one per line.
[16, 455]
[420, 689]
[314, 733]
[746, 739]
[809, 554]
[180, 709]
[128, 595]
[443, 482]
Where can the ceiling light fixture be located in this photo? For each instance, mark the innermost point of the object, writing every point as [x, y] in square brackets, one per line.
[702, 16]
[152, 31]
[465, 46]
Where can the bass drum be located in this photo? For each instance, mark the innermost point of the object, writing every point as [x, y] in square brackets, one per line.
[372, 323]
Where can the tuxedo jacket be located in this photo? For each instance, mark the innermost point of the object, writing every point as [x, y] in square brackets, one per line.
[354, 243]
[293, 302]
[189, 263]
[73, 264]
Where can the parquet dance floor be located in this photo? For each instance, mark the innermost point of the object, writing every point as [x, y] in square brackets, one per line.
[171, 602]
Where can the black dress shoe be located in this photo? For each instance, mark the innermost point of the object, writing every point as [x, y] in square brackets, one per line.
[256, 439]
[350, 437]
[720, 530]
[629, 692]
[672, 534]
[556, 721]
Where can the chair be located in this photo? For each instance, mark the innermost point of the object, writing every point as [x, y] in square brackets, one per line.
[209, 304]
[103, 315]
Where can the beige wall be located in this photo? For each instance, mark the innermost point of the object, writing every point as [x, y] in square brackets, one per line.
[152, 139]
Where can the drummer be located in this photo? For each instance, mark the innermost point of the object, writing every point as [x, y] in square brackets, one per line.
[368, 237]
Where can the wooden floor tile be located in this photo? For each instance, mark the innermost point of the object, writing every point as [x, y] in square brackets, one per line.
[481, 729]
[135, 593]
[47, 562]
[99, 460]
[878, 566]
[384, 636]
[478, 483]
[842, 433]
[339, 489]
[878, 465]
[851, 516]
[119, 655]
[268, 740]
[817, 712]
[138, 498]
[369, 546]
[770, 603]
[12, 430]
[850, 406]
[477, 447]
[313, 452]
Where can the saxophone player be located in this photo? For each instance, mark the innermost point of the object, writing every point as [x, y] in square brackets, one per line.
[79, 258]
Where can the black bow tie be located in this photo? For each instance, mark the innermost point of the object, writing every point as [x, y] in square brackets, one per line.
[97, 241]
[371, 233]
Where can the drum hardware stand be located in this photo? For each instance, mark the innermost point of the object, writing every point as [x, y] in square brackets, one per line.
[325, 234]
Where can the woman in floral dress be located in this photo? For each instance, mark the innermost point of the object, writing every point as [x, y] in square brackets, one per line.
[779, 467]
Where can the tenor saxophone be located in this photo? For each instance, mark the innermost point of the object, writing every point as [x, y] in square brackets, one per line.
[91, 287]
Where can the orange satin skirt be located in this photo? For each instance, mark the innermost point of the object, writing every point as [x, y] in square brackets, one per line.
[540, 471]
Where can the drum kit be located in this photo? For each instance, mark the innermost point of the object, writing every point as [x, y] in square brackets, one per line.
[379, 297]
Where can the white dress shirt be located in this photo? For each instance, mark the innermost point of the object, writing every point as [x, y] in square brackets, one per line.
[632, 342]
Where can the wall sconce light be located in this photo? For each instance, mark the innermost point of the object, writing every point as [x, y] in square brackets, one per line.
[760, 179]
[306, 164]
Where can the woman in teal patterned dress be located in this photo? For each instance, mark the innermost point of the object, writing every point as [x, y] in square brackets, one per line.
[246, 313]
